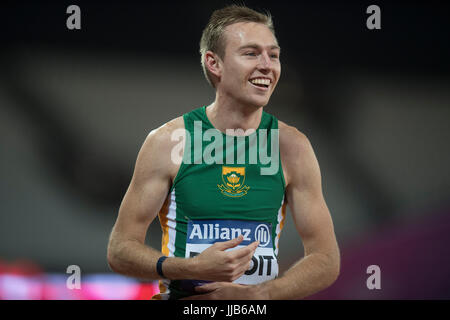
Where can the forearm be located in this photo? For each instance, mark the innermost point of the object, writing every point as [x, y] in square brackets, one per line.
[311, 274]
[138, 260]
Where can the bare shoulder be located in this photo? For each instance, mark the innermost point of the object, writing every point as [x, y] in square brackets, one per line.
[163, 134]
[155, 154]
[295, 150]
[293, 142]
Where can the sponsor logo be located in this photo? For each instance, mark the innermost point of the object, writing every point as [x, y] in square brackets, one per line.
[210, 231]
[215, 232]
[262, 233]
[201, 234]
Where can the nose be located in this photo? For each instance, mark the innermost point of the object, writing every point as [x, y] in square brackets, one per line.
[265, 63]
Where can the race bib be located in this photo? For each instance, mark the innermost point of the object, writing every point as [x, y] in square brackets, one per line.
[202, 234]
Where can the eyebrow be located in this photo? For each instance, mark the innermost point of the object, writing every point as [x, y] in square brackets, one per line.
[255, 46]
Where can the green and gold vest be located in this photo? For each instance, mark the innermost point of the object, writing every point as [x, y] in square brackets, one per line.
[226, 186]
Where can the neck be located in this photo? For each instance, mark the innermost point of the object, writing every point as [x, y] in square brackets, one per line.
[228, 114]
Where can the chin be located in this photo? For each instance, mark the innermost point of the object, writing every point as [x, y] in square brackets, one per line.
[260, 103]
[256, 102]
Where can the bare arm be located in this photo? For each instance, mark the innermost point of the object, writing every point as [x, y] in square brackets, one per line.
[320, 266]
[149, 187]
[127, 253]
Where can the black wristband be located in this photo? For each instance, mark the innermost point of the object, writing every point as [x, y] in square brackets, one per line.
[159, 265]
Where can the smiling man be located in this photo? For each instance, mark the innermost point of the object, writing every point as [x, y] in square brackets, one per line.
[220, 211]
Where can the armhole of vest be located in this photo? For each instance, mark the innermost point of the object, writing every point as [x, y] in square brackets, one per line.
[183, 162]
[279, 157]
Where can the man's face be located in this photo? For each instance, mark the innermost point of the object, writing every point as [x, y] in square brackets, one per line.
[251, 65]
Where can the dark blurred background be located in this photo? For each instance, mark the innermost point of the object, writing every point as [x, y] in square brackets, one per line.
[76, 105]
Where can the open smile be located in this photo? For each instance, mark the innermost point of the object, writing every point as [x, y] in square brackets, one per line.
[260, 83]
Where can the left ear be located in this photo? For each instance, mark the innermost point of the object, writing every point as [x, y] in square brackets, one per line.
[214, 64]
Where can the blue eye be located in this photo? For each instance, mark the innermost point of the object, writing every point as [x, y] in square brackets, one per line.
[250, 54]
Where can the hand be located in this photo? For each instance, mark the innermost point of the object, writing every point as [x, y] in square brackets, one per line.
[226, 291]
[216, 264]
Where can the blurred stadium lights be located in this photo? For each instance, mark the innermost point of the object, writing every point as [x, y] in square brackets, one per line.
[22, 280]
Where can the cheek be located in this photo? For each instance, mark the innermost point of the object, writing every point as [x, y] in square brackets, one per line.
[233, 74]
[278, 71]
[241, 70]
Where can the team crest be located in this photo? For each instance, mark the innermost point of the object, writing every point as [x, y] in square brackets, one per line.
[233, 182]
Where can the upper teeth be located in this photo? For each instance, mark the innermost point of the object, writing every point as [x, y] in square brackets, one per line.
[261, 81]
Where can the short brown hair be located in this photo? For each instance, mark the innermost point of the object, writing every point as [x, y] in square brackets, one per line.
[212, 36]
